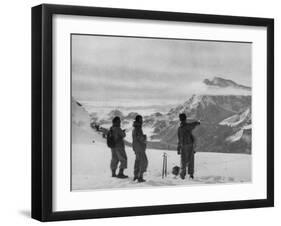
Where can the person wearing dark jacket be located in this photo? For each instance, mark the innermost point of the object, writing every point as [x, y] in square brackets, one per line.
[118, 151]
[139, 146]
[186, 145]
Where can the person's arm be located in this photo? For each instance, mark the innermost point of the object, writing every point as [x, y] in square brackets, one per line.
[179, 143]
[179, 147]
[123, 133]
[192, 125]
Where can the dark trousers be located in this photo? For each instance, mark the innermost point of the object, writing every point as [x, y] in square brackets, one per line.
[141, 164]
[187, 159]
[118, 155]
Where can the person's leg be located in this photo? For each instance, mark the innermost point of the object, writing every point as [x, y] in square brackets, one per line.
[114, 162]
[137, 166]
[143, 166]
[122, 157]
[191, 164]
[184, 156]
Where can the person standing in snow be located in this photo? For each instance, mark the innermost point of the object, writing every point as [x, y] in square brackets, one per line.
[139, 146]
[186, 142]
[118, 149]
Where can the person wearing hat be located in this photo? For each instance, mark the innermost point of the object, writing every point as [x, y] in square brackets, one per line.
[139, 146]
[186, 145]
[118, 150]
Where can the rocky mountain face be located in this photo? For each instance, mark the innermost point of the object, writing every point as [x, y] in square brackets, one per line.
[212, 108]
[225, 123]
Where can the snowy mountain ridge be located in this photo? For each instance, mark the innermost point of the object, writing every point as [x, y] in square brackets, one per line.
[212, 108]
[237, 119]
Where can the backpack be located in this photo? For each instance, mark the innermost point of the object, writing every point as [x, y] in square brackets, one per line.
[176, 170]
[110, 139]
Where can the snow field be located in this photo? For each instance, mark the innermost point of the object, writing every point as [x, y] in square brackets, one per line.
[91, 161]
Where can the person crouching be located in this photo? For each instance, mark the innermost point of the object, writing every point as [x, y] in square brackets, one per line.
[139, 146]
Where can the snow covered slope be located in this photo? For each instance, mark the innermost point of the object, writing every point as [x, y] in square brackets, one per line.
[238, 119]
[81, 130]
[242, 125]
[91, 168]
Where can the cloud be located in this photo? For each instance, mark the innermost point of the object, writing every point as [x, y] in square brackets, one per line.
[107, 68]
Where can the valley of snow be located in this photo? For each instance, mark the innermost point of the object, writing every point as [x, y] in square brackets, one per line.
[91, 160]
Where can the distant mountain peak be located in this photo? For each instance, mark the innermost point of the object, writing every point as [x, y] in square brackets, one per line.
[224, 83]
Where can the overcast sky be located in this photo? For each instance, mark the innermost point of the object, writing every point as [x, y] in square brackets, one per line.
[119, 68]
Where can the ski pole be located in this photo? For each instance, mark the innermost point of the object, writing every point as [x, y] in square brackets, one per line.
[163, 167]
[166, 165]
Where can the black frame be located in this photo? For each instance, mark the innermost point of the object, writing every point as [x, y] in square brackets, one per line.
[42, 111]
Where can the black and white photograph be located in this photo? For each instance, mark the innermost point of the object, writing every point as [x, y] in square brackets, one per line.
[145, 112]
[149, 112]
